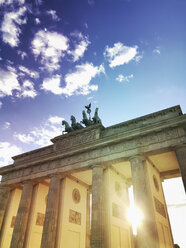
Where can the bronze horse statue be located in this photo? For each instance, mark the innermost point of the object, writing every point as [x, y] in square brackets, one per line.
[75, 125]
[68, 128]
[87, 122]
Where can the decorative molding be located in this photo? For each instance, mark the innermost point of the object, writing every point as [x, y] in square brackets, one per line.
[78, 138]
[76, 196]
[51, 167]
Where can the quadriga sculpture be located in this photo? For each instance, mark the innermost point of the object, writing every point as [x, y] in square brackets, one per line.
[75, 125]
[68, 128]
[87, 122]
[96, 118]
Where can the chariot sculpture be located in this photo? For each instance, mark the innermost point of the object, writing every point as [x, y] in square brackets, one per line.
[86, 121]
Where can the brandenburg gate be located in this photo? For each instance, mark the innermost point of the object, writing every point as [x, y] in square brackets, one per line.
[74, 193]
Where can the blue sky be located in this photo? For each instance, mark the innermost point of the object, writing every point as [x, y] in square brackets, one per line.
[126, 57]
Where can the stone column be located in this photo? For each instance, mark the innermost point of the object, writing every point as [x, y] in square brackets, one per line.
[147, 235]
[22, 216]
[4, 194]
[88, 220]
[181, 157]
[97, 222]
[51, 214]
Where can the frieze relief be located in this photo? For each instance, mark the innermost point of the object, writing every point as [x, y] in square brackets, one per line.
[98, 153]
[75, 140]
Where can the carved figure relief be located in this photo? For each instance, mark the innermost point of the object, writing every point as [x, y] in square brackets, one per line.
[159, 206]
[76, 196]
[74, 217]
[40, 219]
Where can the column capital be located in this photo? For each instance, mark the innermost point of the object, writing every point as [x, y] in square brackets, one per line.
[179, 147]
[136, 158]
[56, 175]
[29, 181]
[5, 187]
[101, 166]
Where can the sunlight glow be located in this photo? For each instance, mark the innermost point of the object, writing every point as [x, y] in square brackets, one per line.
[134, 215]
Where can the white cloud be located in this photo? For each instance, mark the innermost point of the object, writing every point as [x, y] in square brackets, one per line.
[120, 54]
[8, 82]
[22, 54]
[6, 125]
[11, 26]
[52, 84]
[24, 138]
[41, 135]
[32, 74]
[37, 21]
[55, 119]
[80, 48]
[27, 90]
[1, 105]
[51, 47]
[78, 82]
[121, 78]
[9, 2]
[53, 14]
[156, 51]
[6, 152]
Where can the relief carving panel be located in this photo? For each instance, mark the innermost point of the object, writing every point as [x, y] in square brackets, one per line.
[160, 208]
[40, 219]
[74, 217]
[79, 139]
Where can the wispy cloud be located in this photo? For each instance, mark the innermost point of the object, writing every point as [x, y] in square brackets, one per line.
[157, 51]
[53, 14]
[120, 54]
[50, 46]
[41, 135]
[6, 125]
[1, 105]
[10, 27]
[37, 21]
[7, 151]
[121, 78]
[22, 54]
[25, 71]
[80, 48]
[10, 2]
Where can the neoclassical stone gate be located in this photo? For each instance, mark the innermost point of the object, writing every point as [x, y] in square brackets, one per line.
[45, 193]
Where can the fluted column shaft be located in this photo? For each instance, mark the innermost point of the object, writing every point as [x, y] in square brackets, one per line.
[147, 233]
[51, 214]
[22, 216]
[97, 221]
[4, 194]
[181, 157]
